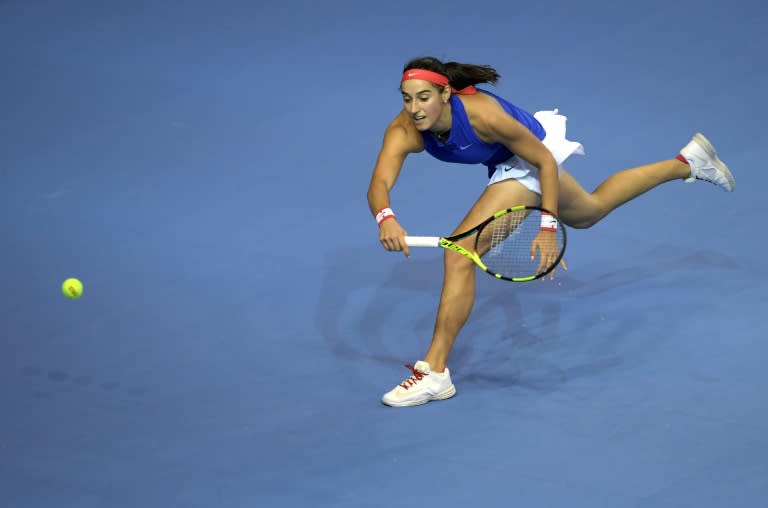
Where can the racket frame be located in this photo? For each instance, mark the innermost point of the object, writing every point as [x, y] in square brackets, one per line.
[449, 243]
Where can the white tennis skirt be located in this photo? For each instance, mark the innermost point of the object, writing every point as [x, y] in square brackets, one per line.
[526, 173]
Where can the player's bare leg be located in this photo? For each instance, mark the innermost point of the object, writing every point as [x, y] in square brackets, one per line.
[698, 161]
[430, 379]
[458, 292]
[581, 209]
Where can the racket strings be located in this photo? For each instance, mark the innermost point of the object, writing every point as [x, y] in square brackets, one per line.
[501, 229]
[505, 245]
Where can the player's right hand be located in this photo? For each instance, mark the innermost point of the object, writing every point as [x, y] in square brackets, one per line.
[392, 236]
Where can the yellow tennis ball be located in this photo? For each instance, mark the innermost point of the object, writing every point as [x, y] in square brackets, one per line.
[72, 288]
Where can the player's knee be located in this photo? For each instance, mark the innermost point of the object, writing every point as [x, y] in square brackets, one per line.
[587, 220]
[454, 261]
[584, 222]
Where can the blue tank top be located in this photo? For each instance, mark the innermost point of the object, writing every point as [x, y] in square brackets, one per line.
[463, 145]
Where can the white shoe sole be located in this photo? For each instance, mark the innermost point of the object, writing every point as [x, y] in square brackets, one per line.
[716, 162]
[447, 394]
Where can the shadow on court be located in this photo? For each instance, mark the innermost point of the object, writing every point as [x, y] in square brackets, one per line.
[532, 336]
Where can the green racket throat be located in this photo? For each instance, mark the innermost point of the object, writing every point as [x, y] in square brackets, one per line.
[455, 247]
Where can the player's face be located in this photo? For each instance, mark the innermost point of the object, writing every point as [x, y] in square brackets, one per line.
[423, 101]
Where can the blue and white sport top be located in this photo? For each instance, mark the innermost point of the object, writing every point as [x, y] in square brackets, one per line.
[463, 145]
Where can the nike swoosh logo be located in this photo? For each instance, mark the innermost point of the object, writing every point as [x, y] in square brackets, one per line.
[465, 147]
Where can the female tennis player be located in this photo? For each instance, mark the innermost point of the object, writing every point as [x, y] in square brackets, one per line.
[446, 115]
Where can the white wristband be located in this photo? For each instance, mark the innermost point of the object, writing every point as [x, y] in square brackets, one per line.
[384, 214]
[548, 222]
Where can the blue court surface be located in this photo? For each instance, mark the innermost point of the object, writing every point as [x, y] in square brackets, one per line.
[202, 167]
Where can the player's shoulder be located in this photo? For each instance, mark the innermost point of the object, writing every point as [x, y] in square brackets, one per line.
[481, 106]
[401, 134]
[486, 115]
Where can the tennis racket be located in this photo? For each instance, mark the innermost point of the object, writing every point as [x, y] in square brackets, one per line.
[510, 245]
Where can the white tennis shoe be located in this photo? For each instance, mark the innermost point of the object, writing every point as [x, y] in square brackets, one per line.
[705, 164]
[422, 386]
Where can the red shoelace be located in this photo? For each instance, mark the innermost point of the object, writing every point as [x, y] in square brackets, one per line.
[415, 378]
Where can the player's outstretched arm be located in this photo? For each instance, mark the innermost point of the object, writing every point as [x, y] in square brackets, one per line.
[400, 139]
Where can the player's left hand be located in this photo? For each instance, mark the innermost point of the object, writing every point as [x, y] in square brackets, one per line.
[545, 245]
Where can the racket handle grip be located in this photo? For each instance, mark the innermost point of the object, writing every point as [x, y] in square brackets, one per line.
[422, 241]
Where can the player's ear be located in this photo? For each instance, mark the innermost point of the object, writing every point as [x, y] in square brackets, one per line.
[445, 94]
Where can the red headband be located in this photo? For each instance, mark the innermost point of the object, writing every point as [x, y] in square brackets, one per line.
[436, 78]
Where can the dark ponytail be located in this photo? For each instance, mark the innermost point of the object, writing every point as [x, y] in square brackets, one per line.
[460, 75]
